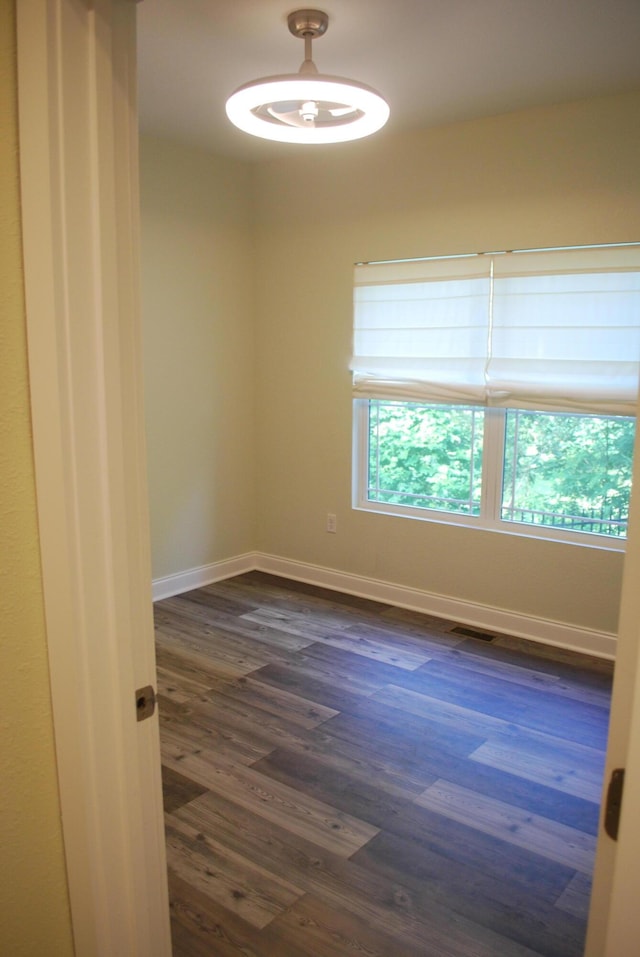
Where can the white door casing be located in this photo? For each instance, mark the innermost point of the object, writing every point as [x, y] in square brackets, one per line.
[79, 163]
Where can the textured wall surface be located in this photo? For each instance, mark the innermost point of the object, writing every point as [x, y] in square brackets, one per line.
[34, 911]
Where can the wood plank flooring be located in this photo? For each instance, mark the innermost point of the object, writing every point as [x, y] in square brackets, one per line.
[346, 778]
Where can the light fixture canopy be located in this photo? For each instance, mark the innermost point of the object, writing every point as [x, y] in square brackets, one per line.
[307, 107]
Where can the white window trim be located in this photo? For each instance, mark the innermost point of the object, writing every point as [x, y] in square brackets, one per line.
[488, 519]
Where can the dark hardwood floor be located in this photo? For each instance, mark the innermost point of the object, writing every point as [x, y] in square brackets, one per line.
[347, 779]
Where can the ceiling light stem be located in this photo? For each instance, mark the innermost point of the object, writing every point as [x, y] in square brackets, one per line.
[308, 66]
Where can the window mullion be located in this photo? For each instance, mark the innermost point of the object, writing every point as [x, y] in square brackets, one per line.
[360, 470]
[492, 464]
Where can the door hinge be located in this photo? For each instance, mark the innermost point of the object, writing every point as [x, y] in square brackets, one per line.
[145, 702]
[614, 803]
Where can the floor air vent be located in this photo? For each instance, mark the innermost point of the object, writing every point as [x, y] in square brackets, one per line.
[472, 633]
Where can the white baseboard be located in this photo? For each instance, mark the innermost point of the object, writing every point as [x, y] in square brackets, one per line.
[203, 575]
[547, 632]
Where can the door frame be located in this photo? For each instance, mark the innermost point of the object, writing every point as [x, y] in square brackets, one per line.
[80, 210]
[78, 162]
[614, 915]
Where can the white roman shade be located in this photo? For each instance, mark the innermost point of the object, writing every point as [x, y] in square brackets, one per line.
[420, 329]
[553, 329]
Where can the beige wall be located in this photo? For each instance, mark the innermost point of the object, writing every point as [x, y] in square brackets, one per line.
[34, 911]
[197, 261]
[552, 176]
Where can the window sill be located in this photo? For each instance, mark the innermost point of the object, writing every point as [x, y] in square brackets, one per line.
[539, 533]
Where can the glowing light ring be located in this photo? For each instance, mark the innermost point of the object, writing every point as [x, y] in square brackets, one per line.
[279, 89]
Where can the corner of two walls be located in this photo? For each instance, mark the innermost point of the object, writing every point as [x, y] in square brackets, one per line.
[199, 354]
[554, 176]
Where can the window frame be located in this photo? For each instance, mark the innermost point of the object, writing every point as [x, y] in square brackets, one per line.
[489, 519]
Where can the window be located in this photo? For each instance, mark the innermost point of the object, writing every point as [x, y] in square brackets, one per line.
[425, 456]
[500, 390]
[554, 474]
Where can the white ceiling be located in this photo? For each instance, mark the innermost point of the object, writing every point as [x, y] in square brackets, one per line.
[435, 61]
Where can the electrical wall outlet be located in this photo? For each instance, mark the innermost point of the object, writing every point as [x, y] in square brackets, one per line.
[331, 522]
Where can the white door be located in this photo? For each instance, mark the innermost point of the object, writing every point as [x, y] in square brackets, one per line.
[614, 920]
[78, 164]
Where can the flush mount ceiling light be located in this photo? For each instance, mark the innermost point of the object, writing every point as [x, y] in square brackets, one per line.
[307, 107]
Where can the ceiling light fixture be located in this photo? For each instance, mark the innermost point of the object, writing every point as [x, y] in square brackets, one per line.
[307, 107]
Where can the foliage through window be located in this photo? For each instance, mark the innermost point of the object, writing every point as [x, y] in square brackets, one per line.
[568, 471]
[559, 471]
[426, 456]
